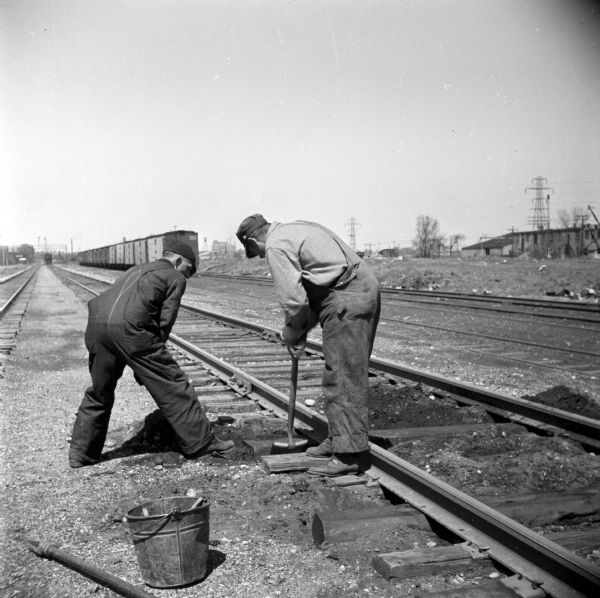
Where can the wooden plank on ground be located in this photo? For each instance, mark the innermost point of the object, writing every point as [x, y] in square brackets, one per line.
[335, 526]
[544, 508]
[347, 480]
[580, 540]
[419, 562]
[488, 589]
[237, 406]
[289, 462]
[390, 437]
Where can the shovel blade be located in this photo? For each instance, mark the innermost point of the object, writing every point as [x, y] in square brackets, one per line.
[297, 445]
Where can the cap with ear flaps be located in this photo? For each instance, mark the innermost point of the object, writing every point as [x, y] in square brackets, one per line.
[182, 249]
[248, 228]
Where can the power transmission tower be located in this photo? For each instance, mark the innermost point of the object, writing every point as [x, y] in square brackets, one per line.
[352, 223]
[541, 205]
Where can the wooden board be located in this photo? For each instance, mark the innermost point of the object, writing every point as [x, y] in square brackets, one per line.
[419, 562]
[543, 508]
[289, 462]
[582, 540]
[334, 526]
[489, 589]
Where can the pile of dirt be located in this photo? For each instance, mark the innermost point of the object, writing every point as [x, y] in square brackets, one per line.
[392, 406]
[567, 399]
[498, 462]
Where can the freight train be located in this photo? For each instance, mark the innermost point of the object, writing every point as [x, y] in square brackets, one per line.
[125, 254]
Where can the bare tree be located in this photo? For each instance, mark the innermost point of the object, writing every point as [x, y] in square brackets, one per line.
[429, 240]
[454, 241]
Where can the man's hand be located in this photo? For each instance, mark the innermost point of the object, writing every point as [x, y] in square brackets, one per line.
[294, 344]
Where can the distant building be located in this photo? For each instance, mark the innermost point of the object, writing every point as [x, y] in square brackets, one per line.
[497, 246]
[389, 252]
[547, 243]
[222, 249]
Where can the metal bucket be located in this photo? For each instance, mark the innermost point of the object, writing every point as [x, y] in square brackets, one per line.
[171, 540]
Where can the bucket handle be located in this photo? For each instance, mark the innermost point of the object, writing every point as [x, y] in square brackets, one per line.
[175, 514]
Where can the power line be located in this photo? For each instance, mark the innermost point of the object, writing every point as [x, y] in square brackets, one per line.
[352, 223]
[541, 205]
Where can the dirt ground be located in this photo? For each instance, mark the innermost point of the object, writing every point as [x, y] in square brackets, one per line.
[519, 277]
[260, 539]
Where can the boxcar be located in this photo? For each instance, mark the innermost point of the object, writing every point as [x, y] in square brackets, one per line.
[125, 254]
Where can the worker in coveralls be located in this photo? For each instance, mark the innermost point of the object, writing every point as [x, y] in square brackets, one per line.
[129, 325]
[318, 278]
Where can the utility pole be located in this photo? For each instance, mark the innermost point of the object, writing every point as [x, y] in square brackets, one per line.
[512, 230]
[541, 206]
[352, 223]
[482, 238]
[592, 230]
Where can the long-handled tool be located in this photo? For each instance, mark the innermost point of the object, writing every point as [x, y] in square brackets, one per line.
[293, 445]
[108, 580]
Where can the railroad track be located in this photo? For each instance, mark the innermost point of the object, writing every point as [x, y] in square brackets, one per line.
[240, 371]
[540, 336]
[567, 309]
[15, 293]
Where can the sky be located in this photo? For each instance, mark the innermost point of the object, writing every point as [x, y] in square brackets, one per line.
[128, 118]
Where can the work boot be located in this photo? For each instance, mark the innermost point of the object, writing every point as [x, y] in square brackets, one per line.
[321, 451]
[216, 447]
[74, 464]
[84, 462]
[342, 464]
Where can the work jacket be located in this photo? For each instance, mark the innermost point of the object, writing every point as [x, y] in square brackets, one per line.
[142, 305]
[306, 260]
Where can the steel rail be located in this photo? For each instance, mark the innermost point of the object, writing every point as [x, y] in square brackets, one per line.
[571, 422]
[492, 337]
[524, 301]
[577, 424]
[559, 572]
[14, 275]
[312, 424]
[12, 298]
[443, 307]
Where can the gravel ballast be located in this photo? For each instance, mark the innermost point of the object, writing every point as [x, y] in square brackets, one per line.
[260, 539]
[260, 524]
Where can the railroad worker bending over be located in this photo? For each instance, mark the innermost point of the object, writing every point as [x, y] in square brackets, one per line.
[318, 278]
[129, 324]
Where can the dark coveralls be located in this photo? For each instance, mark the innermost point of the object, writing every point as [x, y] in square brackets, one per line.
[348, 310]
[128, 325]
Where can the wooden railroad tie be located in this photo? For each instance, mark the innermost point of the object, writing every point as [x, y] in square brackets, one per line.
[507, 587]
[418, 562]
[544, 508]
[335, 526]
